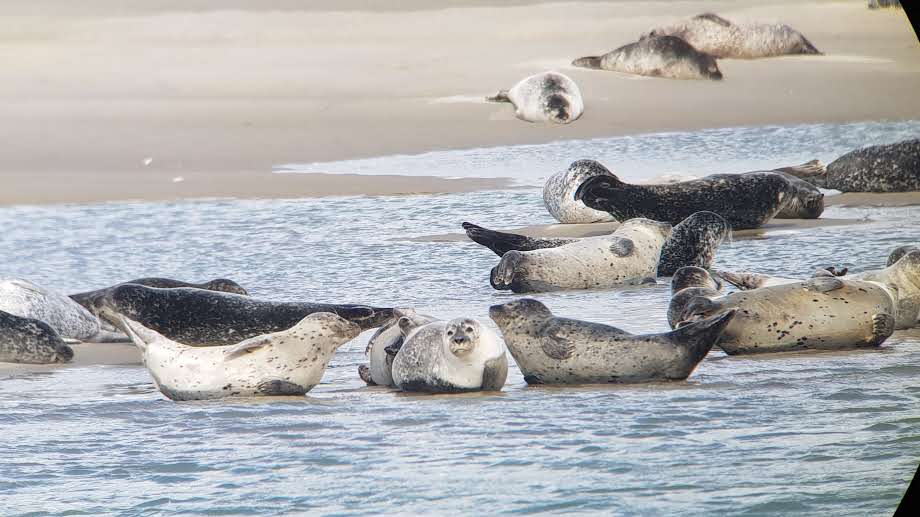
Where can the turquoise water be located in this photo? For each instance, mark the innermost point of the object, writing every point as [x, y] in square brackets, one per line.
[792, 434]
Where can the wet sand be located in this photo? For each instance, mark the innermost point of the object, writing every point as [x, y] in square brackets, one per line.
[85, 354]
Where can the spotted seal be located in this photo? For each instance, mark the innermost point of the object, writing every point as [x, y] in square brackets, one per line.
[553, 350]
[27, 300]
[290, 362]
[743, 200]
[721, 38]
[544, 97]
[450, 356]
[627, 256]
[878, 168]
[656, 56]
[902, 276]
[559, 194]
[27, 340]
[386, 343]
[807, 200]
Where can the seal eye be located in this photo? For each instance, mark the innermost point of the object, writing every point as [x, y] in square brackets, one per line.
[469, 329]
[450, 332]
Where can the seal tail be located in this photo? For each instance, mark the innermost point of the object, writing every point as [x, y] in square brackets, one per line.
[699, 337]
[501, 96]
[592, 62]
[808, 48]
[809, 168]
[498, 242]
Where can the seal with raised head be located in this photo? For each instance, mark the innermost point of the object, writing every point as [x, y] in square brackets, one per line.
[721, 38]
[203, 318]
[903, 278]
[656, 56]
[27, 300]
[544, 97]
[878, 168]
[386, 343]
[449, 357]
[553, 350]
[27, 340]
[693, 242]
[743, 200]
[559, 194]
[823, 313]
[290, 362]
[627, 256]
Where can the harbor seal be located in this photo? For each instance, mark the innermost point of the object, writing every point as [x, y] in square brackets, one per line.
[743, 200]
[899, 253]
[544, 97]
[721, 38]
[386, 343]
[823, 313]
[559, 194]
[902, 277]
[27, 340]
[553, 350]
[693, 242]
[203, 318]
[807, 200]
[290, 362]
[450, 356]
[627, 256]
[27, 300]
[878, 168]
[656, 56]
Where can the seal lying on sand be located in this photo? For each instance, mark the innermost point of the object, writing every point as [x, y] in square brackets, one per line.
[743, 200]
[449, 357]
[721, 38]
[693, 242]
[27, 300]
[627, 256]
[27, 340]
[544, 97]
[878, 168]
[386, 343]
[824, 313]
[551, 350]
[656, 56]
[559, 194]
[203, 318]
[290, 362]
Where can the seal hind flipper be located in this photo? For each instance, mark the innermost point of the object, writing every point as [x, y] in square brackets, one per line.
[824, 284]
[809, 168]
[250, 345]
[622, 247]
[501, 96]
[743, 281]
[365, 373]
[882, 327]
[591, 62]
[279, 387]
[494, 373]
[715, 18]
[499, 242]
[700, 336]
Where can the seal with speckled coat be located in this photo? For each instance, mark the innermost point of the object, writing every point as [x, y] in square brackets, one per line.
[27, 340]
[743, 200]
[385, 344]
[559, 194]
[656, 56]
[878, 168]
[824, 313]
[721, 38]
[552, 350]
[902, 276]
[544, 97]
[27, 300]
[450, 356]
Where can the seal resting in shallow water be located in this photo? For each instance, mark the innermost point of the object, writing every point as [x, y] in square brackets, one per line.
[721, 38]
[385, 344]
[552, 350]
[559, 194]
[544, 97]
[878, 168]
[656, 56]
[27, 340]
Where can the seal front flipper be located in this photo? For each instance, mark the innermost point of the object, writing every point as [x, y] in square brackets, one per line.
[824, 284]
[560, 339]
[501, 96]
[503, 274]
[622, 247]
[494, 373]
[279, 387]
[700, 336]
[250, 345]
[882, 328]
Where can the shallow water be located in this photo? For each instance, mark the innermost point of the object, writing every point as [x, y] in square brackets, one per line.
[791, 434]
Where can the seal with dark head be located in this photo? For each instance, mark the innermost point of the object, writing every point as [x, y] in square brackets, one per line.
[203, 318]
[656, 56]
[627, 256]
[721, 38]
[824, 313]
[386, 343]
[559, 194]
[878, 168]
[693, 242]
[743, 200]
[27, 340]
[807, 200]
[544, 97]
[27, 300]
[289, 362]
[552, 350]
[450, 356]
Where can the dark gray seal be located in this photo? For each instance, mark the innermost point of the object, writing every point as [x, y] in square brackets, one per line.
[552, 350]
[656, 56]
[743, 200]
[201, 318]
[693, 242]
[807, 200]
[878, 168]
[27, 340]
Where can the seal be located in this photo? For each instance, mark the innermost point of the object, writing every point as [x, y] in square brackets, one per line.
[878, 168]
[204, 318]
[553, 350]
[743, 200]
[899, 252]
[721, 38]
[27, 340]
[385, 344]
[627, 256]
[823, 313]
[807, 201]
[290, 362]
[544, 97]
[559, 194]
[27, 300]
[902, 277]
[693, 242]
[450, 356]
[656, 56]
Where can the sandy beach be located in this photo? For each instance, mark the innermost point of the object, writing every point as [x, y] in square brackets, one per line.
[167, 99]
